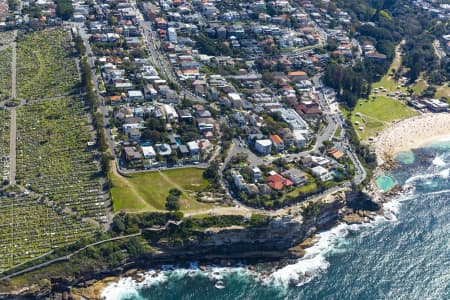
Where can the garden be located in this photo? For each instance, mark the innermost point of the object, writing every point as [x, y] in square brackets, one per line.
[55, 159]
[46, 66]
[5, 73]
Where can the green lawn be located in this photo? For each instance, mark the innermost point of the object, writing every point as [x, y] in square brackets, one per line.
[388, 81]
[148, 191]
[308, 188]
[419, 86]
[443, 91]
[378, 114]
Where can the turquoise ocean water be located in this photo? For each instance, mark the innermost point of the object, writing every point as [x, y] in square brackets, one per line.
[404, 254]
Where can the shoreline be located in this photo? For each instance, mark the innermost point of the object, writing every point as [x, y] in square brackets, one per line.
[404, 135]
[411, 133]
[94, 288]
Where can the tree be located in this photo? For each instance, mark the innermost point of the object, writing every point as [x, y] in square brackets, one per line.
[172, 200]
[64, 9]
[172, 203]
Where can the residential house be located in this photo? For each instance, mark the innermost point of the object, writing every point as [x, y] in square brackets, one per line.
[183, 151]
[277, 142]
[336, 154]
[148, 151]
[238, 180]
[132, 155]
[256, 173]
[134, 134]
[297, 76]
[297, 176]
[193, 147]
[263, 146]
[135, 96]
[322, 173]
[163, 149]
[308, 109]
[278, 182]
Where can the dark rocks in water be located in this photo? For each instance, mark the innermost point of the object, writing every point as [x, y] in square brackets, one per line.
[360, 201]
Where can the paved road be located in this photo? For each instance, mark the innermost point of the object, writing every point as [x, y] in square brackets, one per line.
[103, 110]
[159, 61]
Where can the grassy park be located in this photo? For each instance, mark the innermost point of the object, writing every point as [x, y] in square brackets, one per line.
[148, 191]
[369, 117]
[375, 115]
[45, 64]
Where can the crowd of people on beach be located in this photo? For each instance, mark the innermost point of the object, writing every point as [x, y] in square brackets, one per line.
[411, 133]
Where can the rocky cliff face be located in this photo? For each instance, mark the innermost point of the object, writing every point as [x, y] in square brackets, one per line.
[271, 241]
[275, 241]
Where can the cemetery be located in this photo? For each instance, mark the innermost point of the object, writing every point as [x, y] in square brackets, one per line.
[46, 65]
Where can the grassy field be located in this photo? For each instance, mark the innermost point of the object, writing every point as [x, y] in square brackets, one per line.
[387, 81]
[375, 115]
[443, 91]
[378, 112]
[419, 86]
[305, 189]
[148, 191]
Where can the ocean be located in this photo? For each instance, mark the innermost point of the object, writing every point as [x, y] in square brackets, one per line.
[404, 254]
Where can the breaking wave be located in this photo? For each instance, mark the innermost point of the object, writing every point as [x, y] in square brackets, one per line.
[314, 262]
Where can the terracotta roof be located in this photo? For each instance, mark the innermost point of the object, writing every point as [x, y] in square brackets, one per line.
[276, 139]
[276, 185]
[335, 153]
[277, 181]
[297, 73]
[115, 98]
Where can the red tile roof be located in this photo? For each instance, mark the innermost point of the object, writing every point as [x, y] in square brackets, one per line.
[277, 182]
[276, 139]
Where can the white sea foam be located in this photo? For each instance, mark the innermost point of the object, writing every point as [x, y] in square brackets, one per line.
[444, 173]
[427, 177]
[301, 272]
[314, 261]
[439, 161]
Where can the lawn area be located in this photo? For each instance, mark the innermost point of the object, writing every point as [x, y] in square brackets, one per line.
[305, 189]
[377, 114]
[148, 191]
[443, 91]
[388, 81]
[419, 86]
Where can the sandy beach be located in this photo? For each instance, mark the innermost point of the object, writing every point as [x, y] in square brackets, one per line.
[411, 134]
